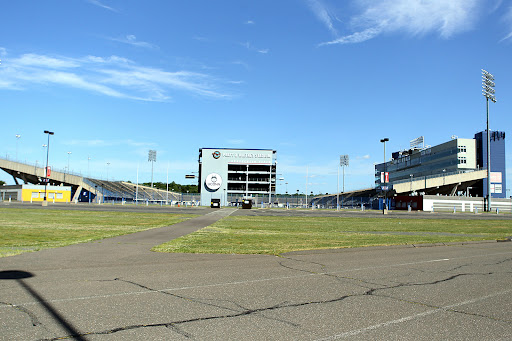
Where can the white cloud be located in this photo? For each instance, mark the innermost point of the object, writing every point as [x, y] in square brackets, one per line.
[413, 17]
[102, 5]
[35, 60]
[250, 47]
[132, 40]
[111, 76]
[508, 21]
[323, 14]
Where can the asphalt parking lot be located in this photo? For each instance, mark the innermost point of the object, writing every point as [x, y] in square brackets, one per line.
[117, 289]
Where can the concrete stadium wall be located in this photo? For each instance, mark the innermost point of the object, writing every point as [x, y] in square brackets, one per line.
[434, 203]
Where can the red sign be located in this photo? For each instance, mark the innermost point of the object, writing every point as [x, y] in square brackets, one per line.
[384, 179]
[48, 171]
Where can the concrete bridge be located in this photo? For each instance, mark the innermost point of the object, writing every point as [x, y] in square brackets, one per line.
[35, 175]
[442, 184]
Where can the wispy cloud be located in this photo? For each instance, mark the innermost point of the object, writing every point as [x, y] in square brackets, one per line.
[110, 76]
[323, 14]
[132, 40]
[508, 21]
[250, 22]
[250, 47]
[412, 17]
[102, 5]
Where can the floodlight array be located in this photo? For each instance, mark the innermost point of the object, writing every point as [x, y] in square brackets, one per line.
[488, 86]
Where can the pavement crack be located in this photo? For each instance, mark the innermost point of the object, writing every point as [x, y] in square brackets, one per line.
[372, 292]
[404, 285]
[173, 325]
[32, 317]
[178, 330]
[190, 299]
[358, 282]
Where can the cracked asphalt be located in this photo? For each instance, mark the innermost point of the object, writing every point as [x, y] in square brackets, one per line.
[116, 289]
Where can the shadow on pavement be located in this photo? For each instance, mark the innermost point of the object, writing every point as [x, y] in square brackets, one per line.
[18, 276]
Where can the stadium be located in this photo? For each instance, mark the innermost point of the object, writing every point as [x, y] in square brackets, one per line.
[448, 176]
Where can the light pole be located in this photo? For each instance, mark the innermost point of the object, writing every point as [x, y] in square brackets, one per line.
[17, 139]
[270, 185]
[69, 154]
[488, 92]
[338, 190]
[384, 207]
[343, 162]
[47, 173]
[88, 161]
[108, 164]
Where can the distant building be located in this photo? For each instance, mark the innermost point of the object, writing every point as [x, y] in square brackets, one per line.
[33, 193]
[231, 174]
[460, 163]
[498, 167]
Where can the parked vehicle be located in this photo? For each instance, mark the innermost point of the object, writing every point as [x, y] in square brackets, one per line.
[247, 204]
[215, 203]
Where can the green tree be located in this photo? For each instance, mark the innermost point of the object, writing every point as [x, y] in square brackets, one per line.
[173, 187]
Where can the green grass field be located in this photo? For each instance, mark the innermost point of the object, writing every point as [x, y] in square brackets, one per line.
[276, 235]
[25, 230]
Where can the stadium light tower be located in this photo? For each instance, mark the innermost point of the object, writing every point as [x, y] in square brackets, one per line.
[488, 92]
[152, 159]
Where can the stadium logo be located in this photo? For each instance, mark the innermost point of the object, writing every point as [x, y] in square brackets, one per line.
[216, 154]
[213, 181]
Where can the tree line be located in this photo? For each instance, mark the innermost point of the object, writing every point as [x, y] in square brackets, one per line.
[173, 187]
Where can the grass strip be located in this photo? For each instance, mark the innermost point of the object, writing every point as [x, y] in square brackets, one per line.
[276, 235]
[24, 230]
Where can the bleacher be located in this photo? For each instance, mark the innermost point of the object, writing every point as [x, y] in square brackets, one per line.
[119, 190]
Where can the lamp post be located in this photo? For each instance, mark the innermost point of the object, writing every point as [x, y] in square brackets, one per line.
[488, 92]
[45, 202]
[108, 164]
[384, 207]
[69, 154]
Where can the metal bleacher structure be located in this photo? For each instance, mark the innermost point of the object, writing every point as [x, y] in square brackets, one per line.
[347, 199]
[101, 190]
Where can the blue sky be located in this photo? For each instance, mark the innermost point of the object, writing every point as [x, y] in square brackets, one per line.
[312, 79]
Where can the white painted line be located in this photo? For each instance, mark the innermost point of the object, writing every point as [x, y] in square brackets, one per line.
[411, 317]
[251, 281]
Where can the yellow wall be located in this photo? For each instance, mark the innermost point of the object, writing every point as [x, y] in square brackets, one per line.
[60, 195]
